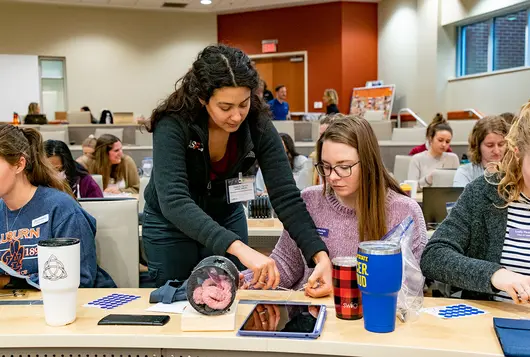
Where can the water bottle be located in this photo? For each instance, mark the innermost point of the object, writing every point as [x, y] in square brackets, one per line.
[107, 119]
[147, 166]
[379, 276]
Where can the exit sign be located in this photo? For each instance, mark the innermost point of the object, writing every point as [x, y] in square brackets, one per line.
[269, 46]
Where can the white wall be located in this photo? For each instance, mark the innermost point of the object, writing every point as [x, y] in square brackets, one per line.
[493, 94]
[397, 48]
[124, 60]
[418, 54]
[18, 84]
[461, 10]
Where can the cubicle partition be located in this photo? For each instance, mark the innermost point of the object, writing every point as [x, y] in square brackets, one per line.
[77, 133]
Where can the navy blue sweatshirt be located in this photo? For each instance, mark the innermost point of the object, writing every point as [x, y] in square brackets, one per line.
[49, 214]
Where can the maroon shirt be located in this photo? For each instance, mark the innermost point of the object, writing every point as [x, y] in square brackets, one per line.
[88, 188]
[220, 167]
[422, 148]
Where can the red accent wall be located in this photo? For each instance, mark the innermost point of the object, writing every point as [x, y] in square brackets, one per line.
[359, 48]
[340, 39]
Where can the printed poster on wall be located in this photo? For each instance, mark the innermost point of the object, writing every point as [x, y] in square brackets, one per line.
[373, 103]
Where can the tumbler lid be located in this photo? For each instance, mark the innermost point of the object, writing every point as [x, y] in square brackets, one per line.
[379, 248]
[58, 242]
[344, 261]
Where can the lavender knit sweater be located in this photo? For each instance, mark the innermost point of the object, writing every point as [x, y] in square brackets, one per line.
[342, 233]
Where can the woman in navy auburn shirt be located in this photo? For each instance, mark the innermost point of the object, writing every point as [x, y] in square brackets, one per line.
[33, 207]
[210, 130]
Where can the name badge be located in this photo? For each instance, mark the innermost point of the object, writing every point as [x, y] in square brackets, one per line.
[519, 233]
[240, 189]
[323, 232]
[38, 221]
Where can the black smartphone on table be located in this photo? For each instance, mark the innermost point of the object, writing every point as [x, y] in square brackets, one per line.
[134, 320]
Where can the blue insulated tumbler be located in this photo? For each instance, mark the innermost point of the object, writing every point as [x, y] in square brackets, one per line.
[379, 273]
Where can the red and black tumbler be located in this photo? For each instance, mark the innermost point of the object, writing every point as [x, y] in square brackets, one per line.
[348, 303]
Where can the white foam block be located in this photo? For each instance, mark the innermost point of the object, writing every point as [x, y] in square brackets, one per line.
[192, 320]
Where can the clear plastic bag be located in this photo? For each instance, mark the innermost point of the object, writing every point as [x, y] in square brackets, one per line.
[410, 297]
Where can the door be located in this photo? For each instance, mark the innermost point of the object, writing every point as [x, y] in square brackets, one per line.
[288, 71]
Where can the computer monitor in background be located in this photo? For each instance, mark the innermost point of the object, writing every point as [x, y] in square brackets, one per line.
[435, 201]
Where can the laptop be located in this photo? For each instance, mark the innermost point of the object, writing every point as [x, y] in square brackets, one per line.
[79, 118]
[435, 200]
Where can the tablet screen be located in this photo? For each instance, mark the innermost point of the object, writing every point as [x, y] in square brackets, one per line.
[282, 318]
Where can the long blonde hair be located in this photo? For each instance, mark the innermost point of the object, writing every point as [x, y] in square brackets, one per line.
[332, 96]
[16, 143]
[375, 181]
[32, 108]
[101, 164]
[518, 145]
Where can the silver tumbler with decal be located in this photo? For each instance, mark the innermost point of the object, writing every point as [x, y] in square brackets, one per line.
[59, 277]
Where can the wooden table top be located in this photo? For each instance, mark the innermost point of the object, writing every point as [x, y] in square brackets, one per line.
[429, 336]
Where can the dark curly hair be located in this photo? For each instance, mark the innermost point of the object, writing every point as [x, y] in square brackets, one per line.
[217, 66]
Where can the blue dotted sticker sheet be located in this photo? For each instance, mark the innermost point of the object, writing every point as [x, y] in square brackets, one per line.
[454, 311]
[112, 301]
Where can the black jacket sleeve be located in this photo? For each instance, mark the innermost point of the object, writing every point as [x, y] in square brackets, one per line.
[171, 182]
[284, 195]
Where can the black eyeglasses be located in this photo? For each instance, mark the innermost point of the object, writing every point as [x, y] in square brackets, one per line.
[341, 170]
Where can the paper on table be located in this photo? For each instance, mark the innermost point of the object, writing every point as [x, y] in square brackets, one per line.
[174, 308]
[11, 272]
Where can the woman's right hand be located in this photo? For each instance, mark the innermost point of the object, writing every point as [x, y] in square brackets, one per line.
[266, 274]
[516, 285]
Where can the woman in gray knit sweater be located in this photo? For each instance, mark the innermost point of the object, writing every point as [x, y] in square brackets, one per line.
[483, 246]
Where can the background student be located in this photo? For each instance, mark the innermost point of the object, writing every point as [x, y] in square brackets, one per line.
[438, 119]
[88, 147]
[296, 161]
[359, 200]
[279, 106]
[34, 207]
[212, 128]
[325, 120]
[118, 170]
[331, 100]
[483, 245]
[423, 165]
[486, 145]
[78, 178]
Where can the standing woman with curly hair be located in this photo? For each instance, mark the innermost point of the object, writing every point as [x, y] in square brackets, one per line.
[483, 246]
[210, 130]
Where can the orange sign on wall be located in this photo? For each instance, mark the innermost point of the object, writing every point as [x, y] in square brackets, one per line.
[377, 100]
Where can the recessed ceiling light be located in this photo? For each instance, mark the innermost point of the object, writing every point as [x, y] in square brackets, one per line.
[206, 2]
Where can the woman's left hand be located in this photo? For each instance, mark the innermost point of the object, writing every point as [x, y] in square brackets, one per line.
[112, 190]
[243, 285]
[320, 282]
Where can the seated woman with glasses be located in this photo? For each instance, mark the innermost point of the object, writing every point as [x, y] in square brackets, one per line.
[359, 200]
